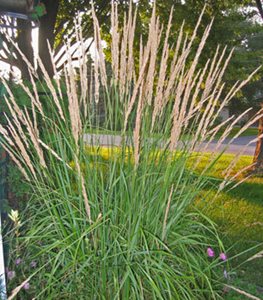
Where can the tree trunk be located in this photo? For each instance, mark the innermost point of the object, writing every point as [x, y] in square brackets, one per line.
[258, 156]
[260, 8]
[46, 34]
[24, 41]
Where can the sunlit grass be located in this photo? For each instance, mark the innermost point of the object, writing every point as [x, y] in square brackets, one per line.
[239, 215]
[251, 131]
[127, 222]
[238, 211]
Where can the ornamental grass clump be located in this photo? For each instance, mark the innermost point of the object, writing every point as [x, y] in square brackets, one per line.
[111, 216]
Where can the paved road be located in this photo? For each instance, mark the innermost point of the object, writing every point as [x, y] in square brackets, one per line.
[241, 144]
[244, 140]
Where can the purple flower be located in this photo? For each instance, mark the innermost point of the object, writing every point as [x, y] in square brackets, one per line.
[33, 264]
[210, 252]
[223, 256]
[26, 286]
[11, 275]
[18, 261]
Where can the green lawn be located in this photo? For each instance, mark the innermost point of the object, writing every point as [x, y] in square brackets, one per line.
[252, 131]
[239, 215]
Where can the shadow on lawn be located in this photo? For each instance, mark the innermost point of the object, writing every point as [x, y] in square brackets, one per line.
[239, 214]
[251, 192]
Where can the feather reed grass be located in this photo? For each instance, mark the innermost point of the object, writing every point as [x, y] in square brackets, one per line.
[148, 241]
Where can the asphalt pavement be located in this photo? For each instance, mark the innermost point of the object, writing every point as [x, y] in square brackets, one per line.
[244, 145]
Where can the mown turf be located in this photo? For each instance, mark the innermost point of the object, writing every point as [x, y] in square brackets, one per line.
[238, 212]
[239, 215]
[251, 131]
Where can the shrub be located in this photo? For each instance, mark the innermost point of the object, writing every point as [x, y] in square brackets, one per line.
[121, 226]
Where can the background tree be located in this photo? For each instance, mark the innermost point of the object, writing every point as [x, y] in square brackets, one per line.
[258, 156]
[55, 27]
[229, 28]
[233, 26]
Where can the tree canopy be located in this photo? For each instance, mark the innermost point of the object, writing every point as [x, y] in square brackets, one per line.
[233, 26]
